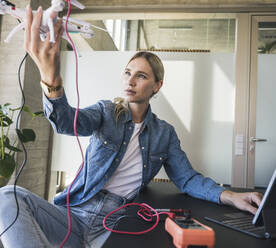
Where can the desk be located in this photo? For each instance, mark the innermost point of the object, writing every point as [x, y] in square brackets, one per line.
[166, 195]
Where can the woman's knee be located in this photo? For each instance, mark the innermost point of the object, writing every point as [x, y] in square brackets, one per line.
[7, 195]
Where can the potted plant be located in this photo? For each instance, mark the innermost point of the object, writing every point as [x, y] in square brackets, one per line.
[8, 149]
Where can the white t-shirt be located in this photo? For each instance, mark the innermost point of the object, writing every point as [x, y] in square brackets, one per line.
[128, 176]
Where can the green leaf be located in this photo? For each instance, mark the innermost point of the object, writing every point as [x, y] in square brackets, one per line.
[7, 166]
[34, 115]
[39, 113]
[29, 134]
[15, 109]
[5, 108]
[6, 121]
[13, 148]
[27, 109]
[26, 135]
[9, 146]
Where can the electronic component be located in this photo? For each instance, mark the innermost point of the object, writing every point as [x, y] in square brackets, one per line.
[188, 232]
[47, 22]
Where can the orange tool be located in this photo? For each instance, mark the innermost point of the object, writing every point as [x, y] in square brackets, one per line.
[188, 232]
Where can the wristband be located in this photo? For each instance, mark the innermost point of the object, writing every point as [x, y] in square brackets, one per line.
[48, 88]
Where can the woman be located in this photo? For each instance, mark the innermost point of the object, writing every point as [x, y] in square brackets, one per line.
[128, 146]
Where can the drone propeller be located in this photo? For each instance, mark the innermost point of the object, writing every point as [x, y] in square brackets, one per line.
[5, 2]
[77, 4]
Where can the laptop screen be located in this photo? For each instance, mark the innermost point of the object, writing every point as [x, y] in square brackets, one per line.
[268, 201]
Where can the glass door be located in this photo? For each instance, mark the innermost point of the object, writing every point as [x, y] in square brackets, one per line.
[262, 114]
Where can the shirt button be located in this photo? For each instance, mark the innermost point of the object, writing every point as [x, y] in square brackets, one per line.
[160, 158]
[145, 165]
[124, 142]
[143, 148]
[105, 142]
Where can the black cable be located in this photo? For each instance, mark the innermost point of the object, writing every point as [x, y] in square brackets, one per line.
[24, 149]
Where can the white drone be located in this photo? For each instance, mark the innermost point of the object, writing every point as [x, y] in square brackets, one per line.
[47, 25]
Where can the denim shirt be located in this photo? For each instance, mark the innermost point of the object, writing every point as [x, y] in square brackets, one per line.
[109, 138]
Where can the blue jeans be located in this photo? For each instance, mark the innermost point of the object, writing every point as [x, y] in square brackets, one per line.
[42, 224]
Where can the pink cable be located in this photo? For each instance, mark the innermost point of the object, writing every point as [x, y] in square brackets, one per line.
[75, 129]
[143, 213]
[145, 209]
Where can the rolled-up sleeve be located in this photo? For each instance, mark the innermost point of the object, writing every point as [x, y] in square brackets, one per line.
[188, 180]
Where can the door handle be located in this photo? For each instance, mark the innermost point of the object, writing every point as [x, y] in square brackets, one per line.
[253, 139]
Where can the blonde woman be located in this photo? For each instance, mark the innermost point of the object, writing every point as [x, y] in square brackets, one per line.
[128, 146]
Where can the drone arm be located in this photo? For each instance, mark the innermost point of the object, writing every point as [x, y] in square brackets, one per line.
[77, 4]
[85, 29]
[14, 30]
[51, 30]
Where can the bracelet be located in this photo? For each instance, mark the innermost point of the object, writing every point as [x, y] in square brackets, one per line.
[48, 88]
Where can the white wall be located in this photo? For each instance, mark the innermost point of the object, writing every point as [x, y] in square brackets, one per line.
[197, 98]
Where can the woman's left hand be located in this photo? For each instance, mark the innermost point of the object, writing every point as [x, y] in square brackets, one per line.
[243, 201]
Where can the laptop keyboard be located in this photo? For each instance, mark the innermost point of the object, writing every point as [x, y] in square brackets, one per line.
[243, 222]
[240, 222]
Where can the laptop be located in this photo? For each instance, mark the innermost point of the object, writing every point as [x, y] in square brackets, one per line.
[262, 224]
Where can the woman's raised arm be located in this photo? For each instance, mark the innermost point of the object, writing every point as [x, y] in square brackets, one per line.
[45, 54]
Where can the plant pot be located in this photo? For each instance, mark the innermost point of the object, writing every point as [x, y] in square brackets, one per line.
[3, 182]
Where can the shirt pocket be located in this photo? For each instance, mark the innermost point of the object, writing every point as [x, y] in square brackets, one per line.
[157, 160]
[102, 150]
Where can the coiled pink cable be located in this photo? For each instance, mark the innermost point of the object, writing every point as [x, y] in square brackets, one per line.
[145, 209]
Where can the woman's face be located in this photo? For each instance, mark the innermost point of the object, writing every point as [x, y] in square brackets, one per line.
[139, 81]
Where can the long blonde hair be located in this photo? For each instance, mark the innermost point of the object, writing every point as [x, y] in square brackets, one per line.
[121, 106]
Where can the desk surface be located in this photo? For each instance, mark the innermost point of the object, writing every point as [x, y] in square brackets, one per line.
[166, 195]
